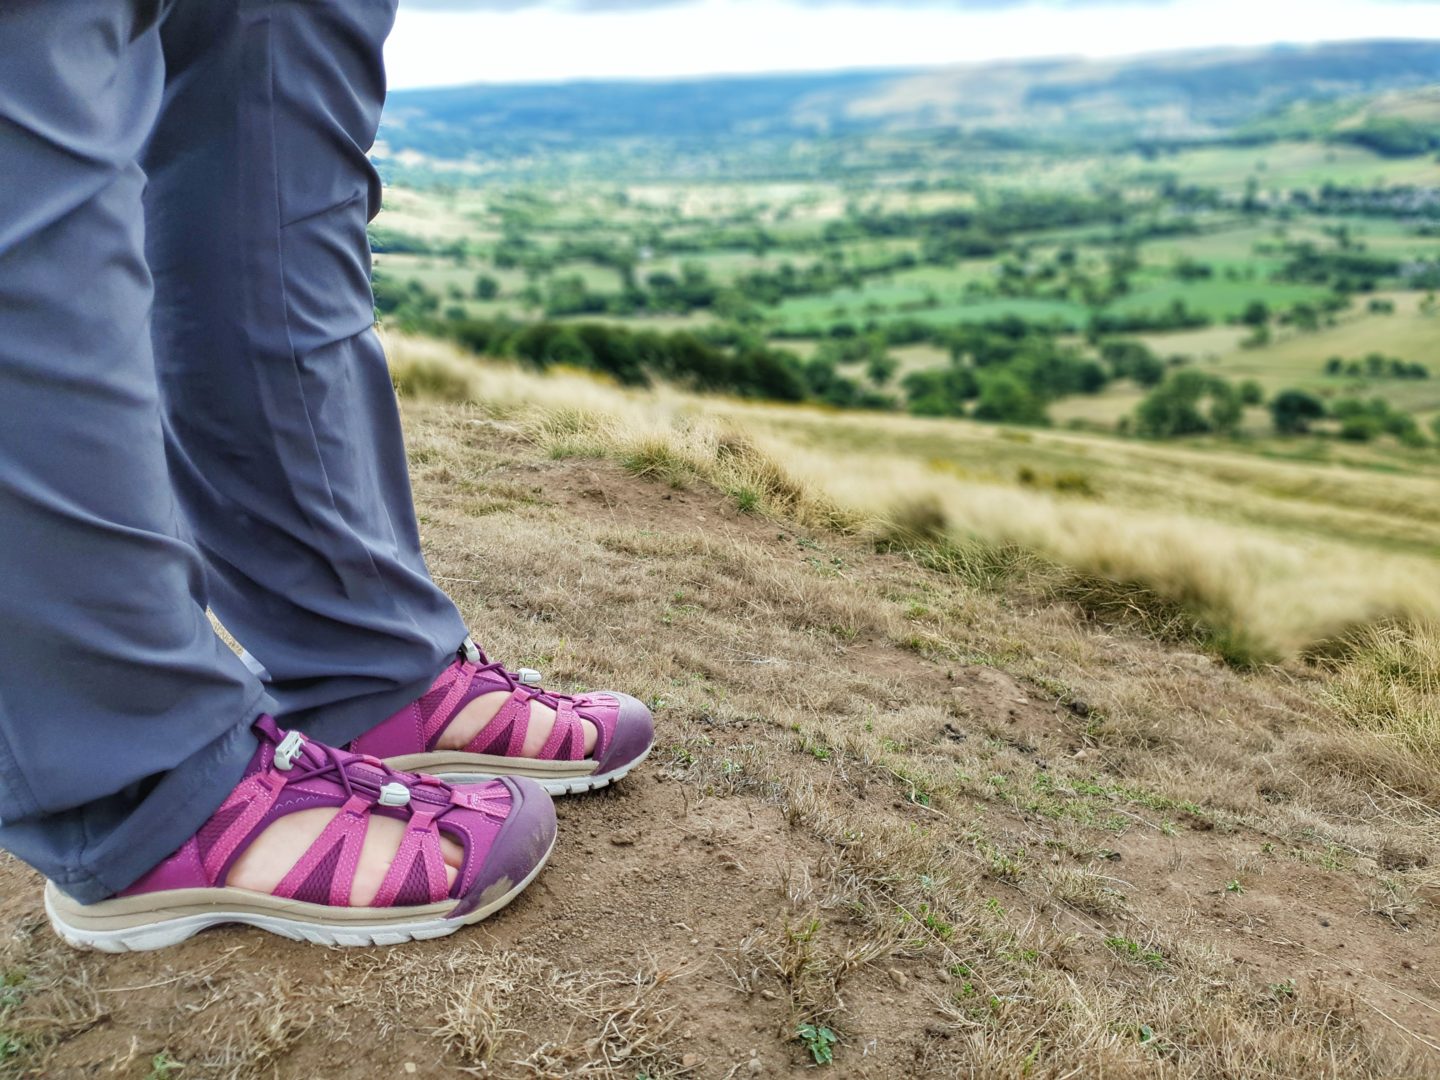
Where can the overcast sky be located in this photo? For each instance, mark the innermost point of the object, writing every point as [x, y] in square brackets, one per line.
[444, 42]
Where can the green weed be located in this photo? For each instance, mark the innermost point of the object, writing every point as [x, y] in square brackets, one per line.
[1135, 952]
[820, 1041]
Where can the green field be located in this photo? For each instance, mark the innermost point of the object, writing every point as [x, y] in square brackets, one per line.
[1246, 263]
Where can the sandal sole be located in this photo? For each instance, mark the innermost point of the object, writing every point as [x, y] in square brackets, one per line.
[94, 926]
[459, 769]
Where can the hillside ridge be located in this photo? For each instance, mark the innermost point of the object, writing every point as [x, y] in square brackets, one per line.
[1182, 95]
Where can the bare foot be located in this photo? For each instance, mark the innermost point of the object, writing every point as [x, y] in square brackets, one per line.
[482, 710]
[266, 861]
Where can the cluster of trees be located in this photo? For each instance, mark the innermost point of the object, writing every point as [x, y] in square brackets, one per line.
[693, 289]
[1345, 270]
[1190, 402]
[1009, 371]
[1134, 360]
[719, 363]
[1393, 136]
[1376, 366]
[1177, 315]
[1361, 421]
[956, 233]
[1193, 402]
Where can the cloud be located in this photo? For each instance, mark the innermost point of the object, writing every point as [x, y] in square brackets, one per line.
[584, 6]
[452, 42]
[632, 5]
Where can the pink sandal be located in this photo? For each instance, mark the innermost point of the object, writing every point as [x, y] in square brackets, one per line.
[506, 828]
[625, 731]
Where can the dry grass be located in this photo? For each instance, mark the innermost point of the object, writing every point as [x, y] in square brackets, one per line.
[1029, 991]
[1165, 743]
[1389, 685]
[490, 1006]
[1246, 595]
[1197, 563]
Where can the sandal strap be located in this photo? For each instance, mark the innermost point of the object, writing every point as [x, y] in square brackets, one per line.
[567, 737]
[505, 733]
[447, 708]
[325, 874]
[230, 827]
[417, 872]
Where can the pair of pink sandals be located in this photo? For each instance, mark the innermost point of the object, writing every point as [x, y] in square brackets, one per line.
[486, 798]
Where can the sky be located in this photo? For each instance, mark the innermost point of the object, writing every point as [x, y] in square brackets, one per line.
[449, 42]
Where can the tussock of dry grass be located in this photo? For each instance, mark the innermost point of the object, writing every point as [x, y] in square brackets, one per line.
[1263, 595]
[1390, 687]
[47, 994]
[1251, 594]
[264, 1015]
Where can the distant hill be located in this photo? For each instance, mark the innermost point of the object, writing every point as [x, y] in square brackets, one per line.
[1182, 96]
[1393, 122]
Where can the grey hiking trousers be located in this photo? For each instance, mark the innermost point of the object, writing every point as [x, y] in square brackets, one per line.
[194, 411]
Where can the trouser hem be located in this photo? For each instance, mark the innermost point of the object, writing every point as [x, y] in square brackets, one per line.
[173, 812]
[339, 723]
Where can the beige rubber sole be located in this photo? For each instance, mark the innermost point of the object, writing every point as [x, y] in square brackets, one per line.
[556, 777]
[155, 920]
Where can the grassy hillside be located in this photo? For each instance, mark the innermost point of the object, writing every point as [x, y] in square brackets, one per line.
[1258, 556]
[909, 809]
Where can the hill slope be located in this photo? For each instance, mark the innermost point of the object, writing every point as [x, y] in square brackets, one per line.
[1184, 95]
[961, 827]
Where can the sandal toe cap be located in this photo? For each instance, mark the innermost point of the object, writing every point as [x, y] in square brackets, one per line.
[632, 737]
[522, 844]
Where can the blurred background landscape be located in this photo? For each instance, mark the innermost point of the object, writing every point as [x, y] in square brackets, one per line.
[1169, 320]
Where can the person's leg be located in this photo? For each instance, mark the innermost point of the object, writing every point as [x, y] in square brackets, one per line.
[283, 430]
[284, 433]
[124, 720]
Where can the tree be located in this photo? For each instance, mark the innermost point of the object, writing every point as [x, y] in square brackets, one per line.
[1256, 313]
[881, 368]
[1189, 403]
[1360, 427]
[544, 344]
[1133, 360]
[941, 391]
[1251, 393]
[1293, 410]
[486, 287]
[1257, 339]
[569, 295]
[1364, 420]
[775, 374]
[1006, 399]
